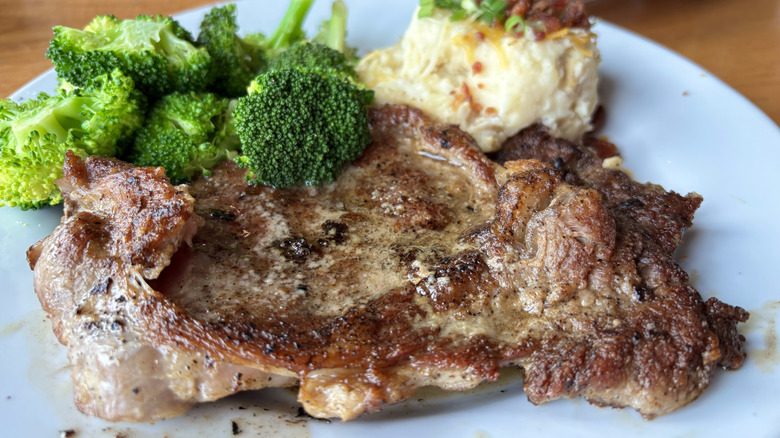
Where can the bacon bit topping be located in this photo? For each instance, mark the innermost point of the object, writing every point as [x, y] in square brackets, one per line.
[476, 68]
[464, 95]
[520, 8]
[539, 17]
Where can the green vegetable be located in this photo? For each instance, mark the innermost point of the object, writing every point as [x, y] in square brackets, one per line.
[154, 50]
[302, 122]
[515, 23]
[426, 8]
[288, 32]
[301, 117]
[97, 119]
[235, 61]
[186, 133]
[333, 32]
[315, 57]
[488, 11]
[492, 11]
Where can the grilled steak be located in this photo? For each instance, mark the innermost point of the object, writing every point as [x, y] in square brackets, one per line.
[425, 263]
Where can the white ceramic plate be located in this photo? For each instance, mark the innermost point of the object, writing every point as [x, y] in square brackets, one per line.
[675, 124]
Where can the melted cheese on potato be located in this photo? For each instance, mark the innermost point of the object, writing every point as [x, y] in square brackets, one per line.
[491, 83]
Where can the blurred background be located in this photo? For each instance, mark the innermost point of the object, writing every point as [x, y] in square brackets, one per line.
[736, 40]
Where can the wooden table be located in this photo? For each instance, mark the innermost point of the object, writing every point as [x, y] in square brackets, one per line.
[736, 40]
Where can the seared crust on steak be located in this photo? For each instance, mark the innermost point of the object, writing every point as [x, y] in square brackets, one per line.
[121, 226]
[639, 209]
[425, 263]
[662, 215]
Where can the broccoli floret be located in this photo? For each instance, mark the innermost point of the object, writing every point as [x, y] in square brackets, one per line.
[300, 126]
[97, 119]
[315, 57]
[154, 50]
[186, 133]
[235, 61]
[112, 110]
[333, 32]
[289, 31]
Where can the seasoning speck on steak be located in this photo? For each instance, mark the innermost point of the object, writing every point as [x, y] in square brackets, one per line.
[425, 263]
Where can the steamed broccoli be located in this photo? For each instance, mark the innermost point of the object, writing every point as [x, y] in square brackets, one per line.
[315, 57]
[288, 32]
[301, 122]
[186, 133]
[333, 32]
[154, 50]
[97, 119]
[235, 61]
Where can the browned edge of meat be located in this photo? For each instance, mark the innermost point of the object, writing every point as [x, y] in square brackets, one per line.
[646, 208]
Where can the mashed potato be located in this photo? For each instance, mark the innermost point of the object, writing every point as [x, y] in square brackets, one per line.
[491, 83]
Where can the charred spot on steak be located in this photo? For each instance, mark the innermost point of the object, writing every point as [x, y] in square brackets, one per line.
[221, 214]
[459, 281]
[335, 232]
[294, 249]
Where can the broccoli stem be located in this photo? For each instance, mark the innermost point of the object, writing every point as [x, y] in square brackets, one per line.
[290, 29]
[333, 32]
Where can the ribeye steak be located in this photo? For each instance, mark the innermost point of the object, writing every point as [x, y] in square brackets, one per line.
[425, 263]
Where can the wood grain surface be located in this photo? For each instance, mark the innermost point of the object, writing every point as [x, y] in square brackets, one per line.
[736, 40]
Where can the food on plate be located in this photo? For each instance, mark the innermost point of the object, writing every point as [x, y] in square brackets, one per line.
[96, 119]
[303, 119]
[155, 51]
[289, 31]
[187, 134]
[424, 263]
[333, 31]
[356, 250]
[493, 71]
[236, 61]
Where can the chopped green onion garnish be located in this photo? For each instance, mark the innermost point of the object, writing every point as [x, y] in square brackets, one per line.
[426, 8]
[458, 15]
[515, 23]
[492, 10]
[469, 6]
[488, 11]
